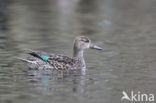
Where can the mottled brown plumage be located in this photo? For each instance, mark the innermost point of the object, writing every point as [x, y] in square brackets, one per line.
[42, 60]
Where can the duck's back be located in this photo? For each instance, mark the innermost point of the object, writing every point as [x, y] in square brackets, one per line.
[42, 60]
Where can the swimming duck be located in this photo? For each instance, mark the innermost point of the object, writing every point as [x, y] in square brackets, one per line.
[41, 60]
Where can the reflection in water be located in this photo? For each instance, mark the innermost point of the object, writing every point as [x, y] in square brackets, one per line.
[49, 82]
[127, 63]
[3, 17]
[44, 82]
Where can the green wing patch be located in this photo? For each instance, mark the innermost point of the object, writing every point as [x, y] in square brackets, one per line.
[45, 58]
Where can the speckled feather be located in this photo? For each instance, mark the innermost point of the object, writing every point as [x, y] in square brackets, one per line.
[63, 62]
[56, 61]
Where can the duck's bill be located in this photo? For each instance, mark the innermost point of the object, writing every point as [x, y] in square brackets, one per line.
[95, 47]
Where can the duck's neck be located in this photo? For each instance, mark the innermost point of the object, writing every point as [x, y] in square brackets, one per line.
[79, 54]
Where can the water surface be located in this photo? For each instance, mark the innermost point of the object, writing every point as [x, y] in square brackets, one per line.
[124, 28]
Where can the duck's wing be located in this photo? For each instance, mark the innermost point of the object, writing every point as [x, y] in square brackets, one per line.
[47, 56]
[58, 61]
[39, 54]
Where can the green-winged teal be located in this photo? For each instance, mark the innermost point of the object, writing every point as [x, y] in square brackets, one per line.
[42, 60]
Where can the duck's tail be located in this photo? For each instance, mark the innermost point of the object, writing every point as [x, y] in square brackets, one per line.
[24, 60]
[30, 63]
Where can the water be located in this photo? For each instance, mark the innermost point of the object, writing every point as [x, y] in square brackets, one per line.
[125, 29]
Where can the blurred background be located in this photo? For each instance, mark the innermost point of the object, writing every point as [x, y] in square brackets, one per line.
[126, 29]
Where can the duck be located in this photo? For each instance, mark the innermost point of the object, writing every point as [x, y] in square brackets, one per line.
[39, 60]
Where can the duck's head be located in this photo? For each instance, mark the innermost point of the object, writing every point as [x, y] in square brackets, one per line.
[81, 43]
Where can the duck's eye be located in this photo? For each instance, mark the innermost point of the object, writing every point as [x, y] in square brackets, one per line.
[85, 40]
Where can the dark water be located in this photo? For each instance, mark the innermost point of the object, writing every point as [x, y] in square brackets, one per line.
[126, 29]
